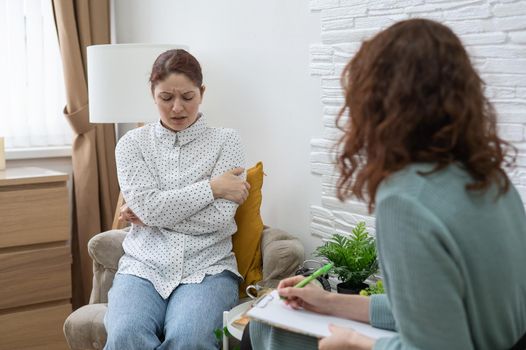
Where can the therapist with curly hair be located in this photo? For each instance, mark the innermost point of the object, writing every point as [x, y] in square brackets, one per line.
[421, 148]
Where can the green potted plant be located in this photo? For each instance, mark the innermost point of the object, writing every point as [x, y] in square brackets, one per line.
[354, 258]
[377, 288]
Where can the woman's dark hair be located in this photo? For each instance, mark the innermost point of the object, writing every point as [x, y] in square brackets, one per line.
[176, 61]
[413, 96]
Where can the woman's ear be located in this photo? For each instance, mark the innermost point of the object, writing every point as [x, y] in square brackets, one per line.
[202, 90]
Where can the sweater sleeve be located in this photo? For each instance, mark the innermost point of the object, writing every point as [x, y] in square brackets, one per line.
[220, 212]
[422, 278]
[380, 314]
[155, 207]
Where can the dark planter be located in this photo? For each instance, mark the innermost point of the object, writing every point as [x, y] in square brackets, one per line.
[345, 288]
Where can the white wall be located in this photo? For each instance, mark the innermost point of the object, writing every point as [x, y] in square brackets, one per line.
[255, 58]
[494, 32]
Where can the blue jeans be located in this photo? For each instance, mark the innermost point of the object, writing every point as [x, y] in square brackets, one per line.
[139, 318]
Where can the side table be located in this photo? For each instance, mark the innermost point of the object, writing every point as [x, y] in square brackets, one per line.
[35, 258]
[228, 319]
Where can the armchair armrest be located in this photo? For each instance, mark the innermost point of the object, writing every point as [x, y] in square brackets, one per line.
[282, 254]
[105, 249]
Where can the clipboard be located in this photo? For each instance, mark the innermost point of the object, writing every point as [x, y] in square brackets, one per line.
[273, 311]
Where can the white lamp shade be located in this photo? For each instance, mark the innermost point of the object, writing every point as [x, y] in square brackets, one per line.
[118, 87]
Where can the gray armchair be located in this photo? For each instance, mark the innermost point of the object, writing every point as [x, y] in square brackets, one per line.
[84, 329]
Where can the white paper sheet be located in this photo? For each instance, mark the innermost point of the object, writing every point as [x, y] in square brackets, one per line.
[278, 314]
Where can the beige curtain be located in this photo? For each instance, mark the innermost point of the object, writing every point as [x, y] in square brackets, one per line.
[81, 23]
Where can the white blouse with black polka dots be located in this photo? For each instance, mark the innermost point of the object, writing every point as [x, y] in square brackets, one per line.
[165, 179]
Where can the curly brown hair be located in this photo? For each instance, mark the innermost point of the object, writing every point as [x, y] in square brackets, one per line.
[413, 96]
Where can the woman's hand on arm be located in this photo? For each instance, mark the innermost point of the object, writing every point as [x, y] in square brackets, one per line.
[227, 187]
[128, 215]
[230, 186]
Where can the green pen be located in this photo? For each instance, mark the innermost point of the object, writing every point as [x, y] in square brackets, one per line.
[321, 271]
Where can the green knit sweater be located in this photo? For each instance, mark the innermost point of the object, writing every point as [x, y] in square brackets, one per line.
[454, 266]
[454, 262]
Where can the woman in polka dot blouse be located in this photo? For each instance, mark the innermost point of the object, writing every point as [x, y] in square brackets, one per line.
[182, 181]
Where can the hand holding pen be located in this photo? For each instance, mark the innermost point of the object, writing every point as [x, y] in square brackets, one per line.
[299, 293]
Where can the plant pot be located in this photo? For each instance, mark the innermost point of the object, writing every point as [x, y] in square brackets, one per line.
[344, 288]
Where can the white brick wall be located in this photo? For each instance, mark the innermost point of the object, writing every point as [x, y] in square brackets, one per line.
[494, 33]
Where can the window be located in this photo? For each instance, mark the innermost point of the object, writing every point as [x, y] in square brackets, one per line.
[32, 94]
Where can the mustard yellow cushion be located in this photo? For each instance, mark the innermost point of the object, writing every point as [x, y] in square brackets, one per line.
[247, 240]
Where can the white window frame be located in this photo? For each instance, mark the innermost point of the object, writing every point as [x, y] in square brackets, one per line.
[31, 50]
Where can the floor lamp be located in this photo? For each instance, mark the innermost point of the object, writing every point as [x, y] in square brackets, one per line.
[118, 87]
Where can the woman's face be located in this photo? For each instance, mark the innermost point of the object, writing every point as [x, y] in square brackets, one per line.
[178, 100]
